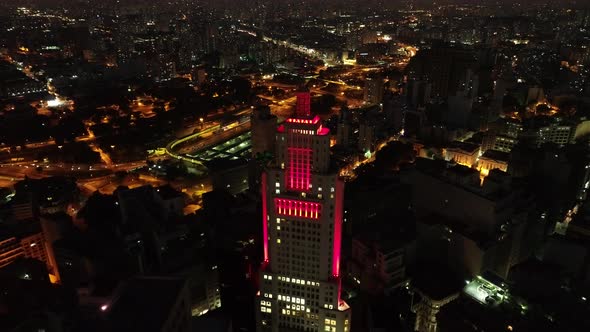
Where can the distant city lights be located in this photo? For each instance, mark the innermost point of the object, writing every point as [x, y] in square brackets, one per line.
[55, 102]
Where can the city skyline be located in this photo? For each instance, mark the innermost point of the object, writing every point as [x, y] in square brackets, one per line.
[293, 165]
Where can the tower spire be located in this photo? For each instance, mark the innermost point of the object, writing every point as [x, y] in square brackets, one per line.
[303, 106]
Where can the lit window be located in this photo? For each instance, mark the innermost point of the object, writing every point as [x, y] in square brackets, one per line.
[277, 184]
[279, 241]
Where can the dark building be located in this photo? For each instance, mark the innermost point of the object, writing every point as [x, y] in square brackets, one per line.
[229, 174]
[149, 304]
[50, 194]
[474, 227]
[450, 70]
[263, 144]
[263, 135]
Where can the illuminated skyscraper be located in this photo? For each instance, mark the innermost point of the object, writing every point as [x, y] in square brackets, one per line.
[302, 230]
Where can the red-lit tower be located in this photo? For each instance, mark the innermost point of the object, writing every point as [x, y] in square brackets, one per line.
[302, 230]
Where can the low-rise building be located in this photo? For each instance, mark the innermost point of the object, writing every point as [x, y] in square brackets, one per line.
[493, 159]
[462, 153]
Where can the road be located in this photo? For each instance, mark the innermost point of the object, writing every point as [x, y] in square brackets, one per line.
[195, 142]
[18, 171]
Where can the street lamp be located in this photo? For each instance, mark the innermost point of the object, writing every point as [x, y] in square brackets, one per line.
[201, 121]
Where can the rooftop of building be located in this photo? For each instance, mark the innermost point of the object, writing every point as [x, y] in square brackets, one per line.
[25, 304]
[225, 164]
[167, 192]
[144, 303]
[215, 321]
[20, 229]
[464, 146]
[436, 281]
[385, 240]
[460, 170]
[49, 190]
[464, 177]
[469, 231]
[496, 155]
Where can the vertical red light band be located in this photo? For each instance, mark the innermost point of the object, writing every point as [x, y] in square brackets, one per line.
[338, 211]
[264, 218]
[299, 168]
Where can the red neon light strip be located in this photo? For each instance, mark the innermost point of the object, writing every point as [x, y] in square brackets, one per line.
[315, 120]
[300, 209]
[299, 168]
[264, 218]
[337, 228]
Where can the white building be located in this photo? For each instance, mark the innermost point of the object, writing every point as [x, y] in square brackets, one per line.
[300, 282]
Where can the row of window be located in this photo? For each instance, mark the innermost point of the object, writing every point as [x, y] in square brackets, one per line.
[293, 299]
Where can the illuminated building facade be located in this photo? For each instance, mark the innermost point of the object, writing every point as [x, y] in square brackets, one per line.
[373, 93]
[300, 282]
[30, 246]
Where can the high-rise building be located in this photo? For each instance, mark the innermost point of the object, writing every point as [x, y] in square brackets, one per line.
[418, 93]
[450, 70]
[263, 127]
[302, 202]
[344, 128]
[393, 108]
[29, 245]
[367, 135]
[373, 93]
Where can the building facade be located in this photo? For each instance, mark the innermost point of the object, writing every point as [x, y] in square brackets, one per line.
[373, 92]
[302, 197]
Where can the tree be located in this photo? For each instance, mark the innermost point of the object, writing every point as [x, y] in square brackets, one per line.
[393, 155]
